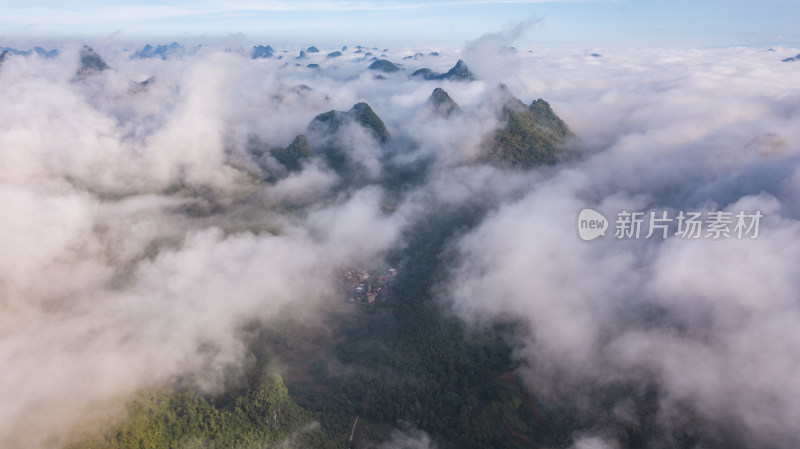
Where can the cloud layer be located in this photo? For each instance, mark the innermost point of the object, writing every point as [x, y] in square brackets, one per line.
[138, 236]
[709, 324]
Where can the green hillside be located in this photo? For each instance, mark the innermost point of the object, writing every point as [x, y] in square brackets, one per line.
[532, 135]
[292, 155]
[263, 417]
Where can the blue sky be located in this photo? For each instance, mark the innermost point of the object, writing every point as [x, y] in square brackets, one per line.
[598, 23]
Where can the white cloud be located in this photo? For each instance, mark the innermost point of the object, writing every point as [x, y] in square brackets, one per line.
[707, 322]
[137, 235]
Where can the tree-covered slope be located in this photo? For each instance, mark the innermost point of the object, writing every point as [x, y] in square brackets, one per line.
[361, 113]
[441, 102]
[292, 155]
[263, 417]
[532, 135]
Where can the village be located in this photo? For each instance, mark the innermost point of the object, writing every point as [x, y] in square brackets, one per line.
[367, 288]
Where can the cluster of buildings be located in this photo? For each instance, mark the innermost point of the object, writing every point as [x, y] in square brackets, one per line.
[366, 288]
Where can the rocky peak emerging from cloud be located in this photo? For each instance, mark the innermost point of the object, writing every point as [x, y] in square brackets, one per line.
[335, 136]
[91, 62]
[292, 155]
[441, 102]
[533, 135]
[261, 51]
[361, 113]
[510, 104]
[384, 65]
[459, 72]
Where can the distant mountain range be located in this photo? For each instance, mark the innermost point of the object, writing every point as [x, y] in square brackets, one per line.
[39, 51]
[416, 56]
[160, 51]
[94, 63]
[531, 135]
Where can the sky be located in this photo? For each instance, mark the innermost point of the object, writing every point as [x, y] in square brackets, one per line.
[585, 24]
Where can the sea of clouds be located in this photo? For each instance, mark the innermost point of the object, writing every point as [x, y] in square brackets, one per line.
[137, 236]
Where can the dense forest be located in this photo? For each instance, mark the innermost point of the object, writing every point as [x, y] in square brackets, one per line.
[405, 364]
[263, 417]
